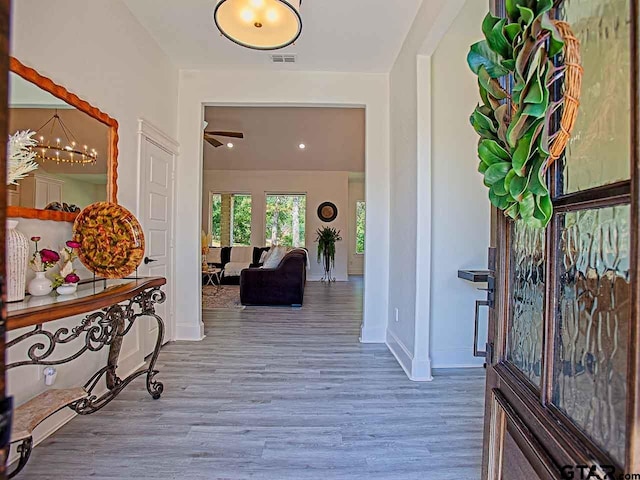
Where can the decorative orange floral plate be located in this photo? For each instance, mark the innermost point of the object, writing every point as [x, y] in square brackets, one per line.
[111, 238]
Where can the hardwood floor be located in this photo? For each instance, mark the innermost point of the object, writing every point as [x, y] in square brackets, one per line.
[279, 394]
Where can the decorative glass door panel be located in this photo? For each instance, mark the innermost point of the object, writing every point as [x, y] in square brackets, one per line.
[598, 153]
[563, 374]
[527, 266]
[594, 310]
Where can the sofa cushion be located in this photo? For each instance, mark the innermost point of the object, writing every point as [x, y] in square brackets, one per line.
[258, 255]
[276, 254]
[233, 269]
[214, 255]
[241, 254]
[225, 255]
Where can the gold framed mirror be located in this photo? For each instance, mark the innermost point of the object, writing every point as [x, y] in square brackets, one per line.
[76, 150]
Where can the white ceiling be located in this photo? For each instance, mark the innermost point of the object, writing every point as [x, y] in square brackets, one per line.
[334, 138]
[337, 35]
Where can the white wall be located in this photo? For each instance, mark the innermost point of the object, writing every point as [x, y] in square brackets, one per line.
[461, 210]
[356, 194]
[318, 186]
[434, 240]
[108, 59]
[404, 219]
[198, 88]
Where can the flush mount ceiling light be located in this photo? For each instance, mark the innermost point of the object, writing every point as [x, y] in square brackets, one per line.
[302, 146]
[259, 24]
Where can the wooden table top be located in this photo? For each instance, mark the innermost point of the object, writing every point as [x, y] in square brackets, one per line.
[89, 297]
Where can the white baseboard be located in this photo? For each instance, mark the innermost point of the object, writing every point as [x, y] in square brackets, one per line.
[457, 357]
[416, 370]
[373, 335]
[59, 419]
[189, 333]
[421, 371]
[400, 351]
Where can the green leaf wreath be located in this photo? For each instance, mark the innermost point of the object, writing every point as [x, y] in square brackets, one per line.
[515, 136]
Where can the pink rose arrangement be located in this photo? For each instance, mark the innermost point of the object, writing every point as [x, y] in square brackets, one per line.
[67, 273]
[44, 259]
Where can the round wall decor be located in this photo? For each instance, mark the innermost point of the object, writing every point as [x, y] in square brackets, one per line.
[112, 240]
[327, 212]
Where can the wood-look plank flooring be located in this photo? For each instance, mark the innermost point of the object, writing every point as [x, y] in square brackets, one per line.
[279, 394]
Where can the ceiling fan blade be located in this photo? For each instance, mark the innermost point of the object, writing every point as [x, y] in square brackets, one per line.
[227, 134]
[213, 142]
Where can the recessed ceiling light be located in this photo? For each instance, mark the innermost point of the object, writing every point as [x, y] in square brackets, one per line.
[302, 146]
[230, 145]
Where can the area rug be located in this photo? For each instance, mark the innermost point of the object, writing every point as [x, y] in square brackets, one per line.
[226, 298]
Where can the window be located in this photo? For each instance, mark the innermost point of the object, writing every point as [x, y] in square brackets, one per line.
[285, 222]
[361, 215]
[216, 213]
[241, 214]
[230, 219]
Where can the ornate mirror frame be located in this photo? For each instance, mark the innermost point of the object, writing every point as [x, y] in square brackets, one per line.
[72, 99]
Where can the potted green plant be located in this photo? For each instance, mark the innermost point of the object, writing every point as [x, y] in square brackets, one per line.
[326, 239]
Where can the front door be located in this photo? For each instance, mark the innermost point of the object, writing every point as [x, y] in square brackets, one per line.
[156, 211]
[563, 398]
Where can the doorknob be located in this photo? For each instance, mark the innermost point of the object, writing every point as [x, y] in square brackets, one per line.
[148, 260]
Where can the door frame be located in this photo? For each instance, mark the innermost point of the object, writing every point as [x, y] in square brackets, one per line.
[147, 131]
[527, 415]
[5, 402]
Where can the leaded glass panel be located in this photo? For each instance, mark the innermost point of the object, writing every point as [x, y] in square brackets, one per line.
[594, 311]
[598, 153]
[527, 300]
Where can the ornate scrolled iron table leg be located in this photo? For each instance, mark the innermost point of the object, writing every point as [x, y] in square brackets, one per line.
[24, 449]
[146, 301]
[114, 353]
[154, 387]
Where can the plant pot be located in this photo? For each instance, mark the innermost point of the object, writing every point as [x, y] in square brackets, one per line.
[67, 288]
[17, 258]
[328, 268]
[40, 285]
[65, 298]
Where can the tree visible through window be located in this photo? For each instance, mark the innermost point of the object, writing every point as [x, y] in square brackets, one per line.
[361, 214]
[230, 219]
[216, 213]
[241, 214]
[285, 220]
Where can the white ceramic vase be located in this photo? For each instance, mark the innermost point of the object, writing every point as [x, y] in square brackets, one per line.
[17, 259]
[67, 288]
[40, 285]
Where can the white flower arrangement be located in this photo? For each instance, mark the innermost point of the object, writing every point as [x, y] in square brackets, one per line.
[21, 156]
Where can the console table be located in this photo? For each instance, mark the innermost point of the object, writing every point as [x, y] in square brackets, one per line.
[112, 307]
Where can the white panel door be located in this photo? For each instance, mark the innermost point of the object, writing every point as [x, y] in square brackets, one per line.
[156, 212]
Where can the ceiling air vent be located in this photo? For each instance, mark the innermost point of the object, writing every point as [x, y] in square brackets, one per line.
[283, 58]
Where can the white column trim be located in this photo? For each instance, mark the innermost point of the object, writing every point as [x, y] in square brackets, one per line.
[448, 13]
[422, 354]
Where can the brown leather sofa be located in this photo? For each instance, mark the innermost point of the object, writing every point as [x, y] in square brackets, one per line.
[283, 285]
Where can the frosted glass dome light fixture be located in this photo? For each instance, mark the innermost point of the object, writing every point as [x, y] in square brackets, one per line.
[259, 24]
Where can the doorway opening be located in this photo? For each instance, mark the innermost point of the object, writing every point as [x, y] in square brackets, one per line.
[273, 178]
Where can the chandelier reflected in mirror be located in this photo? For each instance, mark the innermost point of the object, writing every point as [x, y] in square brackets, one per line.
[58, 144]
[259, 24]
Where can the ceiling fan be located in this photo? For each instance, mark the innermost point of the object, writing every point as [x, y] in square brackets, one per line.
[214, 142]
